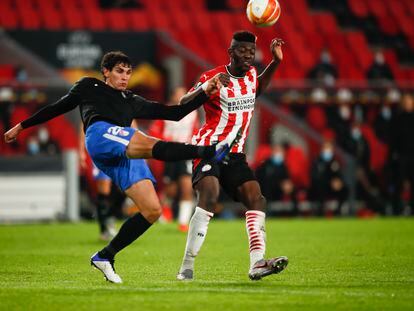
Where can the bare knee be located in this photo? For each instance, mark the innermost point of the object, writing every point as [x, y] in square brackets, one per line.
[152, 213]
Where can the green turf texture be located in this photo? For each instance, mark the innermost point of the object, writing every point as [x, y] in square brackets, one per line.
[343, 264]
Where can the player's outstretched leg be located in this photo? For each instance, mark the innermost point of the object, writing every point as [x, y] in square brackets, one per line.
[224, 147]
[143, 146]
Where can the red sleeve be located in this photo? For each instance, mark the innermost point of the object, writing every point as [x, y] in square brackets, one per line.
[203, 78]
[156, 129]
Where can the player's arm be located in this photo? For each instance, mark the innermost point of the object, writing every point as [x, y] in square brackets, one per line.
[266, 76]
[152, 110]
[63, 105]
[222, 78]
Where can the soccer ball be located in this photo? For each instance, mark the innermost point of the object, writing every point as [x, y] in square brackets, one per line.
[263, 13]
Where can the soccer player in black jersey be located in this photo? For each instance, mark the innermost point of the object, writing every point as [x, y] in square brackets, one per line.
[107, 109]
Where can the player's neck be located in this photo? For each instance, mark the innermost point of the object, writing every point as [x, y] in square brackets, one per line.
[235, 72]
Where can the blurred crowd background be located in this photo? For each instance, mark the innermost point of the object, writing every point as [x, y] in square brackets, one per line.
[332, 136]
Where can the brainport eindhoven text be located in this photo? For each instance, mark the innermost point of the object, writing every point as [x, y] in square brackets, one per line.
[241, 104]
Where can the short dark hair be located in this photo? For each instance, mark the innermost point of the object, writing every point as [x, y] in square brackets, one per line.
[244, 36]
[111, 59]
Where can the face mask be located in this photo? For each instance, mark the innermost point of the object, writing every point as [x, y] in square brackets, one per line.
[327, 155]
[386, 113]
[33, 148]
[43, 135]
[345, 112]
[326, 58]
[356, 133]
[277, 158]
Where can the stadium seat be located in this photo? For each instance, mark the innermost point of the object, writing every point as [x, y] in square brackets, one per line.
[73, 19]
[95, 19]
[359, 7]
[51, 18]
[117, 19]
[8, 18]
[138, 20]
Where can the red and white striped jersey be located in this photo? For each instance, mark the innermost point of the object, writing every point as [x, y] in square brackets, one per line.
[180, 131]
[228, 110]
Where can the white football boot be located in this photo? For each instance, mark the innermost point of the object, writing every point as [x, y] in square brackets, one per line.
[106, 266]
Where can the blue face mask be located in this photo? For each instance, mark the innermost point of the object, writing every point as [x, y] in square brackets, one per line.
[277, 158]
[356, 133]
[327, 155]
[386, 113]
[33, 148]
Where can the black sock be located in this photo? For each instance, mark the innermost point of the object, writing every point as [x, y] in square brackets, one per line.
[102, 211]
[131, 229]
[171, 151]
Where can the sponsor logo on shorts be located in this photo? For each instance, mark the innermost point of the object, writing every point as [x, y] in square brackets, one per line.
[206, 168]
[117, 130]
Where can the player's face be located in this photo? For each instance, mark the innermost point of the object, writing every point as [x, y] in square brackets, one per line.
[118, 77]
[242, 55]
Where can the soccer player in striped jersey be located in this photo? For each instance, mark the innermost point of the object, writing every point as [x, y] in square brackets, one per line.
[227, 111]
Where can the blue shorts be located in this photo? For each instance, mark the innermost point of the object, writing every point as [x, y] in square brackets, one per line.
[98, 174]
[106, 144]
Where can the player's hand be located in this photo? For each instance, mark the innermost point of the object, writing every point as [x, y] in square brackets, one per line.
[276, 49]
[11, 135]
[215, 83]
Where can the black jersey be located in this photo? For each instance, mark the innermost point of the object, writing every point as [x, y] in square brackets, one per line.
[98, 101]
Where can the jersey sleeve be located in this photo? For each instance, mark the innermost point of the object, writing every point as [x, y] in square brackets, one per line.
[203, 78]
[146, 109]
[67, 103]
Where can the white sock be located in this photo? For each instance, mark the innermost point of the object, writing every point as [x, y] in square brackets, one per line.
[255, 226]
[196, 234]
[185, 209]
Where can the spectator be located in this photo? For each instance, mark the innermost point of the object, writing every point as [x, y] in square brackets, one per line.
[367, 185]
[274, 178]
[328, 189]
[46, 145]
[32, 146]
[402, 151]
[324, 72]
[340, 119]
[383, 121]
[379, 72]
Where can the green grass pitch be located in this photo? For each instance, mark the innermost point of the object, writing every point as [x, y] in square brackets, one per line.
[343, 264]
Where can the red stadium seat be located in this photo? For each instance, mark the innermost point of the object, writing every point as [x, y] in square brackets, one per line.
[7, 72]
[73, 18]
[95, 19]
[138, 20]
[51, 18]
[8, 18]
[359, 7]
[117, 19]
[29, 19]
